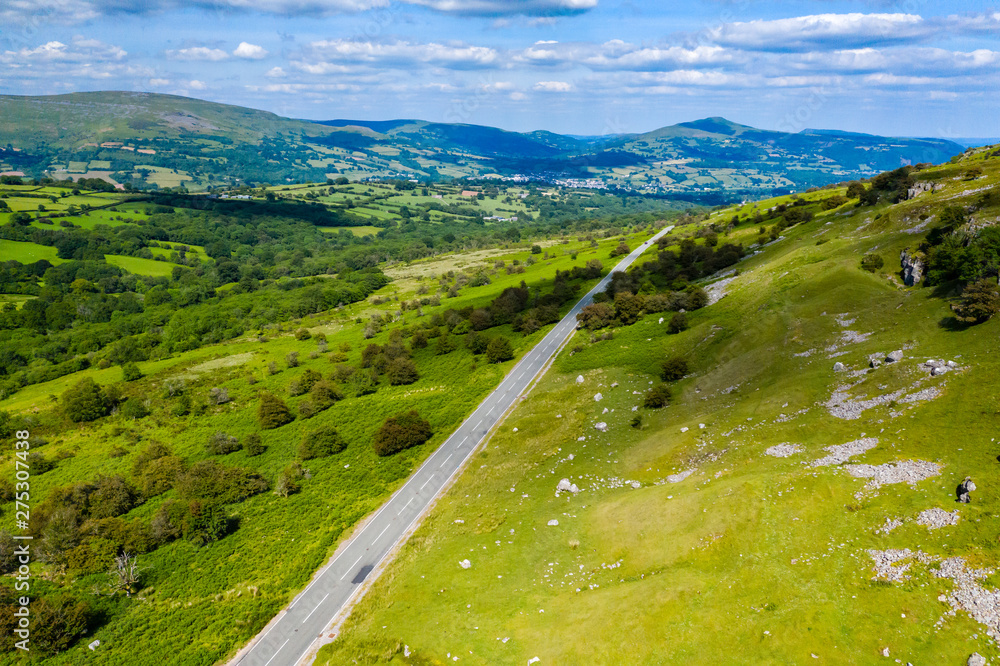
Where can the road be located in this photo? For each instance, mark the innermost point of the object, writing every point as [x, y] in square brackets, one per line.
[288, 638]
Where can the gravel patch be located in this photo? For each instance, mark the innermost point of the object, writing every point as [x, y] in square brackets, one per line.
[890, 525]
[848, 337]
[841, 453]
[926, 394]
[680, 476]
[968, 595]
[717, 290]
[936, 518]
[783, 450]
[904, 471]
[889, 565]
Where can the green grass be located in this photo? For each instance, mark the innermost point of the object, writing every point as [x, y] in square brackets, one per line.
[754, 556]
[140, 266]
[27, 253]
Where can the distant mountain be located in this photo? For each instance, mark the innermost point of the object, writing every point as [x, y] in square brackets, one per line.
[127, 136]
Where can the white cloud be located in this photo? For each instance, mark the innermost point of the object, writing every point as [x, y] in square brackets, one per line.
[330, 56]
[620, 55]
[839, 31]
[553, 86]
[508, 7]
[276, 73]
[250, 51]
[159, 83]
[197, 53]
[195, 84]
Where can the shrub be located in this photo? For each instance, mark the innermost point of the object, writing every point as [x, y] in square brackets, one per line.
[160, 475]
[402, 370]
[364, 382]
[677, 323]
[112, 496]
[536, 249]
[131, 372]
[134, 408]
[210, 480]
[445, 344]
[696, 298]
[401, 432]
[302, 334]
[218, 396]
[622, 249]
[673, 368]
[85, 401]
[288, 482]
[658, 396]
[273, 412]
[477, 342]
[253, 445]
[324, 394]
[872, 262]
[292, 359]
[596, 315]
[206, 522]
[38, 464]
[220, 444]
[306, 409]
[499, 350]
[321, 443]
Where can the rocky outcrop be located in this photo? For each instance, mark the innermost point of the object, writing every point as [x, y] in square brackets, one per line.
[920, 188]
[964, 489]
[566, 485]
[913, 268]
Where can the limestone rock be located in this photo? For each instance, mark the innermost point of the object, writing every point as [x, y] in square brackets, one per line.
[913, 268]
[601, 425]
[465, 564]
[564, 484]
[894, 356]
[94, 645]
[976, 659]
[598, 397]
[964, 489]
[839, 367]
[553, 523]
[579, 379]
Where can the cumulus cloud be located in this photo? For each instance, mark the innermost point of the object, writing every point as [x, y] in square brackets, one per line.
[553, 86]
[620, 55]
[328, 56]
[250, 51]
[804, 33]
[195, 84]
[508, 7]
[197, 53]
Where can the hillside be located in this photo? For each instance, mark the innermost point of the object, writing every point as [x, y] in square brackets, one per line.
[797, 501]
[150, 140]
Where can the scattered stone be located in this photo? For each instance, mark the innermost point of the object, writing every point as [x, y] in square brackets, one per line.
[841, 453]
[601, 425]
[569, 457]
[598, 397]
[661, 321]
[605, 411]
[783, 450]
[581, 438]
[976, 659]
[964, 489]
[701, 426]
[465, 564]
[839, 367]
[936, 518]
[565, 485]
[635, 484]
[885, 652]
[515, 429]
[968, 595]
[579, 379]
[406, 650]
[553, 523]
[459, 521]
[533, 660]
[680, 476]
[684, 429]
[614, 384]
[94, 645]
[885, 564]
[890, 525]
[894, 356]
[874, 360]
[908, 471]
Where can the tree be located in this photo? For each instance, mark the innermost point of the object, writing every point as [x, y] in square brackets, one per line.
[130, 372]
[125, 573]
[658, 396]
[288, 481]
[134, 408]
[112, 496]
[8, 556]
[321, 443]
[85, 401]
[595, 316]
[402, 370]
[220, 444]
[536, 249]
[855, 189]
[477, 342]
[273, 412]
[400, 432]
[628, 307]
[445, 344]
[677, 323]
[980, 301]
[673, 368]
[499, 350]
[622, 249]
[58, 622]
[324, 394]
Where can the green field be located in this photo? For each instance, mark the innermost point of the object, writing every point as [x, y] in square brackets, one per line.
[27, 253]
[140, 266]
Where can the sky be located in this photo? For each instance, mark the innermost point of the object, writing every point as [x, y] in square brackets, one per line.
[896, 68]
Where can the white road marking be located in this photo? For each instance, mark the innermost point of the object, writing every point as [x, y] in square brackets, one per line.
[276, 652]
[382, 532]
[410, 500]
[427, 481]
[314, 609]
[351, 567]
[446, 459]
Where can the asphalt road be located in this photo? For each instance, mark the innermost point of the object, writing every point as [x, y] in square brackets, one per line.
[288, 638]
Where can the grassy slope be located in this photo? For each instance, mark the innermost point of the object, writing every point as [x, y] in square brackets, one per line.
[751, 555]
[201, 604]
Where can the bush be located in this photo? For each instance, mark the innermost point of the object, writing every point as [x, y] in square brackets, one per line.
[477, 342]
[677, 323]
[253, 445]
[499, 350]
[210, 480]
[38, 464]
[218, 396]
[596, 315]
[673, 368]
[131, 372]
[324, 394]
[302, 334]
[402, 370]
[292, 359]
[536, 249]
[321, 443]
[85, 401]
[220, 444]
[273, 412]
[112, 496]
[658, 396]
[401, 432]
[134, 408]
[288, 482]
[872, 262]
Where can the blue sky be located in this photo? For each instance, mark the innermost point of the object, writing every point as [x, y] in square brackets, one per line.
[906, 68]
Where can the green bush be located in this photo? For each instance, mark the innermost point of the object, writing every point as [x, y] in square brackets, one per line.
[220, 444]
[872, 262]
[499, 350]
[302, 334]
[273, 412]
[321, 443]
[253, 445]
[85, 401]
[402, 370]
[673, 368]
[677, 323]
[401, 431]
[131, 372]
[324, 394]
[288, 481]
[134, 408]
[658, 396]
[210, 480]
[980, 301]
